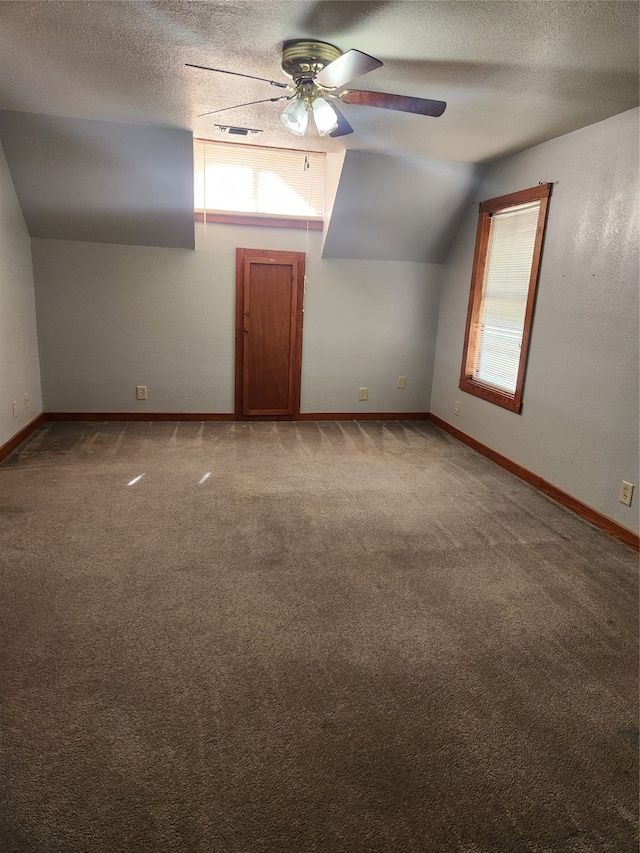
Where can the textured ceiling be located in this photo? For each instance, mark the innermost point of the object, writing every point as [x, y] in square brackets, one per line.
[513, 73]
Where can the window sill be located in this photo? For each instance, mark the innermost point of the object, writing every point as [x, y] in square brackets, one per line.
[508, 401]
[262, 221]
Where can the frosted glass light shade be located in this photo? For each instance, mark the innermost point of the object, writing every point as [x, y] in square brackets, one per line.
[324, 116]
[295, 117]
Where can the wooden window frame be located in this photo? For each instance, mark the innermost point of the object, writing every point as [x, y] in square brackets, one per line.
[512, 402]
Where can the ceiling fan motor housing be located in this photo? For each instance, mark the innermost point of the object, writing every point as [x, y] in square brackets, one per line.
[302, 60]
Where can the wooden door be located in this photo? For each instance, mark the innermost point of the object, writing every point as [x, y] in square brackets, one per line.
[269, 296]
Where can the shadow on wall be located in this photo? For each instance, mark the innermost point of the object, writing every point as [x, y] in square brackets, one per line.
[399, 208]
[101, 182]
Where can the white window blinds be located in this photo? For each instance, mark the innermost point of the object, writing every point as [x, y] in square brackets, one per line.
[504, 298]
[268, 182]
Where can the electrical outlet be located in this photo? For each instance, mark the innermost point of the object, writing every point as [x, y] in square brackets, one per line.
[401, 381]
[141, 392]
[362, 393]
[26, 401]
[626, 493]
[14, 408]
[456, 410]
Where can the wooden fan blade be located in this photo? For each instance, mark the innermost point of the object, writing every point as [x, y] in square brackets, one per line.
[403, 103]
[238, 74]
[345, 68]
[343, 127]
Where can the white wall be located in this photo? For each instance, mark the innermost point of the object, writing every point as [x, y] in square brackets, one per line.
[579, 423]
[19, 369]
[365, 324]
[113, 316]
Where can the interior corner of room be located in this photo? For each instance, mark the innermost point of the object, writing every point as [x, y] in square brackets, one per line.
[107, 284]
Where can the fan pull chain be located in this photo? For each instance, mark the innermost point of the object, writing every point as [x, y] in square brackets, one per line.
[306, 168]
[204, 193]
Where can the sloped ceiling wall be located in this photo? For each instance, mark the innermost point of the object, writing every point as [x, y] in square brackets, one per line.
[107, 182]
[101, 182]
[399, 208]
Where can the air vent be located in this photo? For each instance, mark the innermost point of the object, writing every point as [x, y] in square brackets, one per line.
[236, 131]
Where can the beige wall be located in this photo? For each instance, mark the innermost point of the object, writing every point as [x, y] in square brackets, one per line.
[19, 367]
[112, 316]
[579, 422]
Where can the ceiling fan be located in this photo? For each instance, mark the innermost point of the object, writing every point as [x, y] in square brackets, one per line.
[320, 73]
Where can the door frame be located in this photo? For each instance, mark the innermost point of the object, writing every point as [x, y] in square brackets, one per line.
[276, 257]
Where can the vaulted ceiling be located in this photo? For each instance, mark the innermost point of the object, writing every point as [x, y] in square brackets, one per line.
[512, 73]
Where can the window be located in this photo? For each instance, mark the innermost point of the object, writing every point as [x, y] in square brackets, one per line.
[259, 186]
[503, 289]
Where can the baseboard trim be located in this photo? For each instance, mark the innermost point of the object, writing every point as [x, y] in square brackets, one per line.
[229, 416]
[138, 416]
[20, 436]
[583, 510]
[363, 416]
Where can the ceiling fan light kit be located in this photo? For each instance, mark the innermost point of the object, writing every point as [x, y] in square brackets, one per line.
[320, 72]
[295, 117]
[308, 99]
[324, 116]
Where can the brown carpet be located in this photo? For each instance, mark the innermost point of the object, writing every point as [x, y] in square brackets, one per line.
[348, 637]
